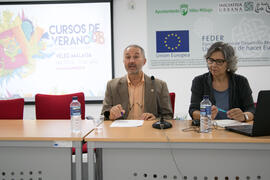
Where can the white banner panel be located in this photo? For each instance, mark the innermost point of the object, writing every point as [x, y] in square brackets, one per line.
[180, 32]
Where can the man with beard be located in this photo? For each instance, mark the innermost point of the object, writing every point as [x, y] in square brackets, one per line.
[136, 95]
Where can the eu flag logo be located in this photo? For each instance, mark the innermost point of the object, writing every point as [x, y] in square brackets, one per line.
[172, 41]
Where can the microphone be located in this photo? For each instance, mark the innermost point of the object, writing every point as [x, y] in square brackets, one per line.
[161, 124]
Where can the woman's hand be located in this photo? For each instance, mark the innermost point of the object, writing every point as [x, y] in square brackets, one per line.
[214, 110]
[236, 114]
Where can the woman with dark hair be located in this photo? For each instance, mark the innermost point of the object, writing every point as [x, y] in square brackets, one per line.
[230, 93]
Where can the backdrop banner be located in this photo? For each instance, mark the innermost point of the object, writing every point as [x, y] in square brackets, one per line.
[180, 32]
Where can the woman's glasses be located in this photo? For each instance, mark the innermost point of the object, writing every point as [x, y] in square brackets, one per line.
[219, 62]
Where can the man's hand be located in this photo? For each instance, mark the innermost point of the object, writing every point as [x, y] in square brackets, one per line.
[148, 116]
[116, 112]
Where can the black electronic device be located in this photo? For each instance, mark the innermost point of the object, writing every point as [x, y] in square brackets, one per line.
[261, 124]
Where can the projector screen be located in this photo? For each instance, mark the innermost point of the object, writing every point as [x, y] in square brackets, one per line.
[55, 48]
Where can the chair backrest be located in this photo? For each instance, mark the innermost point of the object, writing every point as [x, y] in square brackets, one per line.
[11, 108]
[172, 96]
[57, 106]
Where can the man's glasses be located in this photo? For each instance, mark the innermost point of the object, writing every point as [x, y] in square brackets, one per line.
[219, 62]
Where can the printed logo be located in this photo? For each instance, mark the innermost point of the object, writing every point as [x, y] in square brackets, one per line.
[249, 6]
[172, 41]
[244, 7]
[184, 9]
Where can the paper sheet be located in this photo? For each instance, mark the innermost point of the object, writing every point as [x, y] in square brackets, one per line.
[228, 122]
[127, 123]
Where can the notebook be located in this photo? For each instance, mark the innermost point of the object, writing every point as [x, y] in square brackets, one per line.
[261, 124]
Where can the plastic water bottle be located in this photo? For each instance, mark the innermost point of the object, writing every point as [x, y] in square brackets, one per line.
[75, 115]
[205, 115]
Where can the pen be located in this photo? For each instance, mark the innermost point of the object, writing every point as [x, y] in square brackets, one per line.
[222, 110]
[122, 114]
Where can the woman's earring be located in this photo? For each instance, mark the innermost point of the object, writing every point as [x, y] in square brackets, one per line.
[228, 70]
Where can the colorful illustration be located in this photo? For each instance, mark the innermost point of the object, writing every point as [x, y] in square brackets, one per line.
[20, 41]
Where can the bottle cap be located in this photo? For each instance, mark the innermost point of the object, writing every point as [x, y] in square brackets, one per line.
[74, 98]
[205, 96]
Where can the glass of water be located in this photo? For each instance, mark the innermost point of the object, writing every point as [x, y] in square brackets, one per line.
[98, 122]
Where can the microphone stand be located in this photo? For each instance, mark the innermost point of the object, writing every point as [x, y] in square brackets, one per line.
[162, 124]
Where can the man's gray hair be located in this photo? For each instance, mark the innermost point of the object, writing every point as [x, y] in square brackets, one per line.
[136, 46]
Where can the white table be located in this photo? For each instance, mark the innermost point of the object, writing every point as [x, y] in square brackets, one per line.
[40, 149]
[147, 153]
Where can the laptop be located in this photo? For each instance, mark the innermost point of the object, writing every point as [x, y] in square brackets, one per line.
[261, 124]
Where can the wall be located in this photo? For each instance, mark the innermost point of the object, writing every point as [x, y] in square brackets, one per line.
[130, 28]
